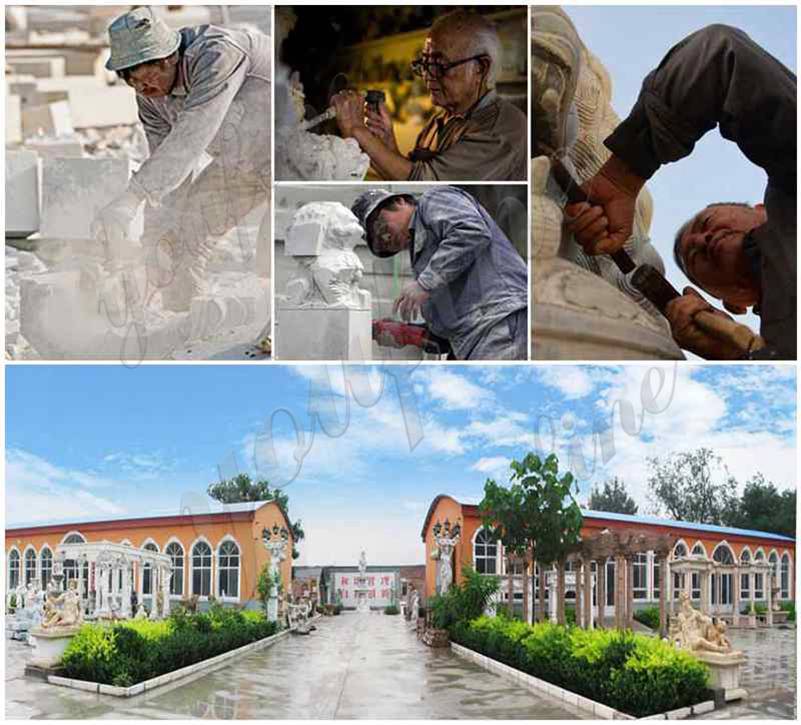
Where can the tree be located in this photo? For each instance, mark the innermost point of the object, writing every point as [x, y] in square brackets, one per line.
[764, 508]
[242, 488]
[692, 486]
[614, 498]
[537, 510]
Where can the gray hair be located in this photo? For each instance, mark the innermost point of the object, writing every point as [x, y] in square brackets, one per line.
[480, 34]
[683, 229]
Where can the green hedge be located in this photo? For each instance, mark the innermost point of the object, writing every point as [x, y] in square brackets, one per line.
[788, 607]
[649, 616]
[636, 674]
[133, 651]
[392, 609]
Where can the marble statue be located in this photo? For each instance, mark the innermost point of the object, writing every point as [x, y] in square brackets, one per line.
[415, 606]
[321, 237]
[141, 612]
[64, 610]
[362, 564]
[583, 306]
[697, 632]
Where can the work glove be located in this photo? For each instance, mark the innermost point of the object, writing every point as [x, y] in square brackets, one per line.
[604, 225]
[112, 225]
[410, 301]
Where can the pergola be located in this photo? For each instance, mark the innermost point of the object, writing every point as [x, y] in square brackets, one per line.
[111, 567]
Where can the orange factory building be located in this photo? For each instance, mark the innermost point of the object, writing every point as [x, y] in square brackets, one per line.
[727, 546]
[218, 553]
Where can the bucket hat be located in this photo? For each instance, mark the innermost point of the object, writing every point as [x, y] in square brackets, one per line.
[140, 37]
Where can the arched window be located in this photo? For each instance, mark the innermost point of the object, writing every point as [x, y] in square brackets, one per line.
[485, 552]
[698, 550]
[773, 560]
[176, 552]
[745, 578]
[785, 576]
[723, 555]
[201, 569]
[639, 569]
[70, 565]
[13, 569]
[680, 550]
[46, 566]
[30, 566]
[228, 570]
[147, 571]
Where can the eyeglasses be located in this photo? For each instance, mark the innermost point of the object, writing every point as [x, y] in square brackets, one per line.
[436, 69]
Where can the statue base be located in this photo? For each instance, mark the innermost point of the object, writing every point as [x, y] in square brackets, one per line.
[311, 333]
[49, 644]
[724, 672]
[436, 638]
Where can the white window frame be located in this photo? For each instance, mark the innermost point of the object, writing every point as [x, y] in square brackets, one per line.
[785, 581]
[150, 545]
[34, 578]
[486, 557]
[639, 562]
[42, 583]
[9, 586]
[192, 592]
[227, 598]
[175, 540]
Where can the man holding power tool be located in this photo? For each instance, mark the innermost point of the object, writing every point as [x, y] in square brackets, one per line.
[199, 90]
[478, 135]
[470, 283]
[744, 256]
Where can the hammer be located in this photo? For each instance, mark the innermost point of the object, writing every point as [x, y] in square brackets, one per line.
[652, 284]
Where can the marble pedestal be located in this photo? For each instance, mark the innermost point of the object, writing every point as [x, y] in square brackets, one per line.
[724, 672]
[49, 645]
[304, 333]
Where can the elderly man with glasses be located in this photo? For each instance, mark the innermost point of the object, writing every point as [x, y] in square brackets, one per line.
[203, 95]
[477, 136]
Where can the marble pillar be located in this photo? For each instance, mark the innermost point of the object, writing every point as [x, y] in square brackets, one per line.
[769, 596]
[600, 593]
[735, 595]
[664, 594]
[560, 592]
[629, 592]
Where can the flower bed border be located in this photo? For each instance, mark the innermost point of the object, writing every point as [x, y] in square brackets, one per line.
[598, 710]
[168, 677]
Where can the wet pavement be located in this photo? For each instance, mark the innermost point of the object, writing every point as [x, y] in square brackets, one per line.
[769, 675]
[354, 666]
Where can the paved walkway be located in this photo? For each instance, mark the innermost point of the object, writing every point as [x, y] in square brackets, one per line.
[354, 666]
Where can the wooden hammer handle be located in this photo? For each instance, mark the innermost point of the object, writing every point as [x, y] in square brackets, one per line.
[741, 336]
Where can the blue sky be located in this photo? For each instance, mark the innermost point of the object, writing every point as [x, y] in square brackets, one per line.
[93, 441]
[631, 41]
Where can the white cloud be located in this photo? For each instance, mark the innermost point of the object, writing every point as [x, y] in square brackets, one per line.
[452, 390]
[494, 467]
[572, 381]
[37, 490]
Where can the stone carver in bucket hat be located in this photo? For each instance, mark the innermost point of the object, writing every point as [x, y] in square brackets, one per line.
[202, 92]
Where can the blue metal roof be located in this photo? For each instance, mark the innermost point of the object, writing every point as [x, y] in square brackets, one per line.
[592, 514]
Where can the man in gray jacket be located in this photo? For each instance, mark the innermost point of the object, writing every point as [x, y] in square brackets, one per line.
[744, 256]
[202, 92]
[470, 283]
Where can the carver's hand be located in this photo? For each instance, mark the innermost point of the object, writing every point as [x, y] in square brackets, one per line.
[380, 125]
[350, 111]
[681, 314]
[411, 299]
[112, 224]
[604, 226]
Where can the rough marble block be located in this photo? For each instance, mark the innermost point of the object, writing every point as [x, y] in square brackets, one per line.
[53, 119]
[22, 193]
[306, 240]
[49, 148]
[323, 334]
[74, 190]
[13, 119]
[99, 107]
[42, 67]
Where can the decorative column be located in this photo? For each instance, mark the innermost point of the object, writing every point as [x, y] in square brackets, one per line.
[587, 594]
[98, 591]
[735, 595]
[166, 590]
[275, 540]
[629, 592]
[668, 575]
[664, 593]
[769, 591]
[560, 592]
[446, 537]
[600, 591]
[127, 576]
[620, 592]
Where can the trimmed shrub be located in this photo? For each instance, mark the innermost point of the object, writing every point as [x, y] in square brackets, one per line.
[759, 609]
[636, 674]
[788, 607]
[391, 609]
[649, 616]
[463, 602]
[125, 653]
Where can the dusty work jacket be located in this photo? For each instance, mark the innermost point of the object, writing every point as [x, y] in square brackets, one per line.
[220, 105]
[719, 76]
[475, 276]
[488, 142]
